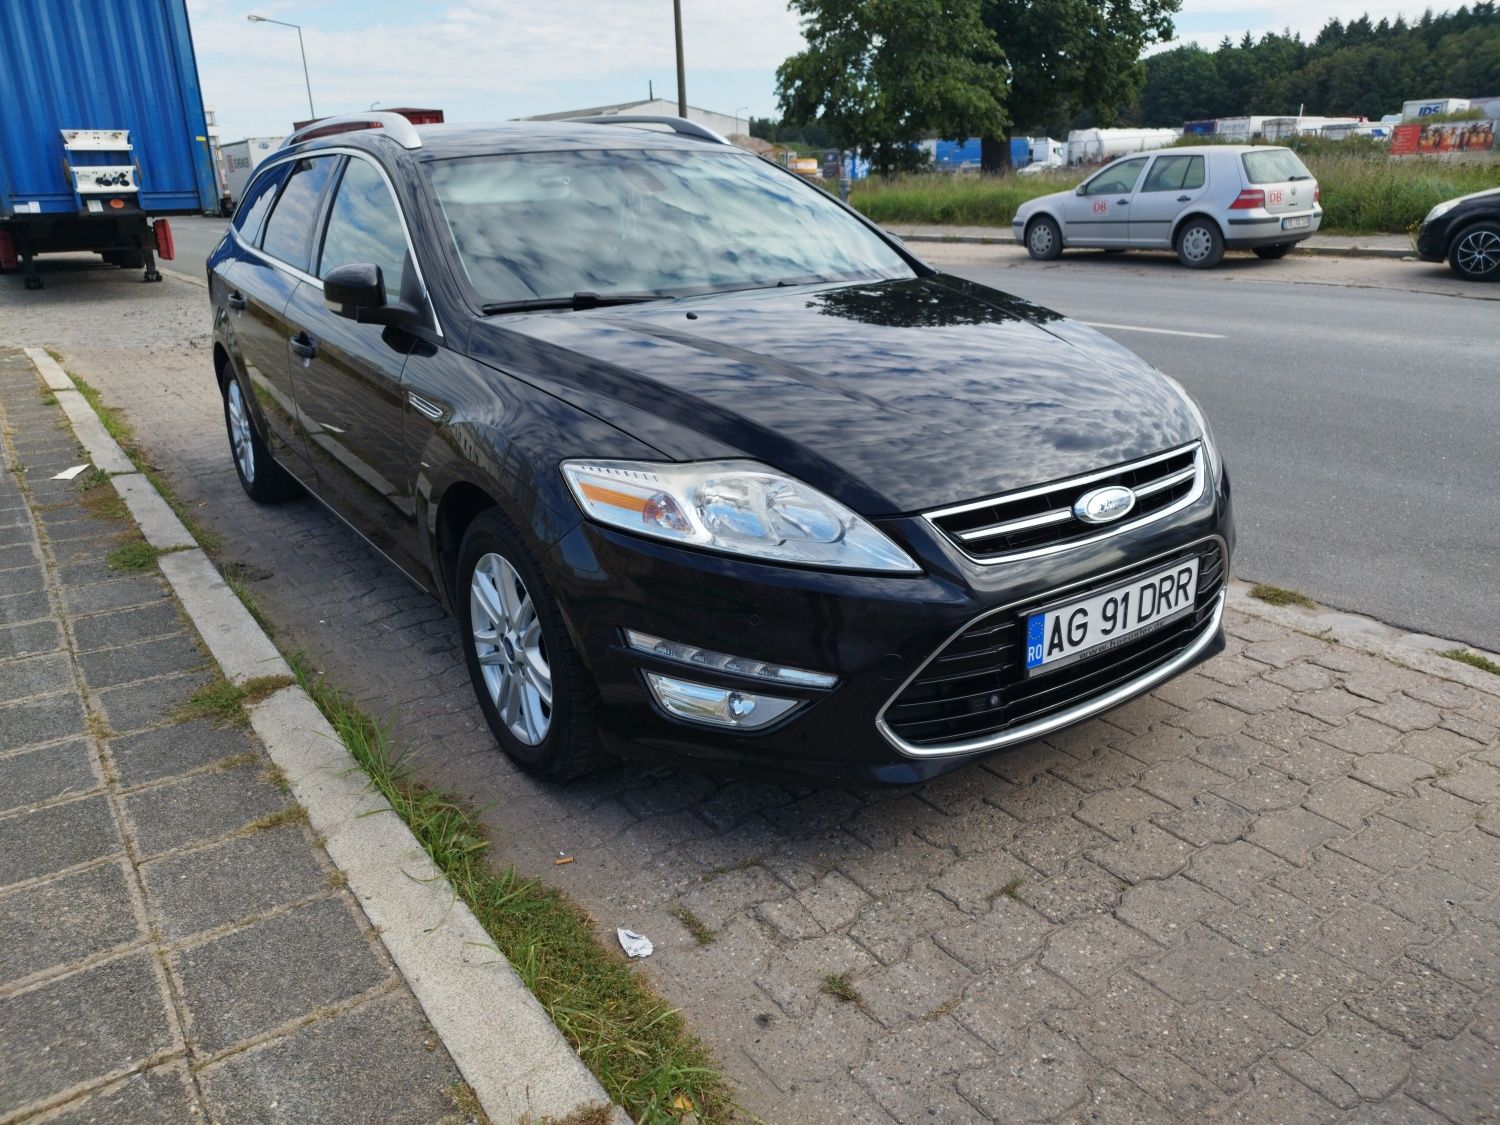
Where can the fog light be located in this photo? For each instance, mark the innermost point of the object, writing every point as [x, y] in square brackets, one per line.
[722, 707]
[721, 662]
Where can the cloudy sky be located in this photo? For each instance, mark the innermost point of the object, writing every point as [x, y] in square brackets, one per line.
[494, 59]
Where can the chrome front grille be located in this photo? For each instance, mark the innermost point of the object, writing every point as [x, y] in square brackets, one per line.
[1040, 520]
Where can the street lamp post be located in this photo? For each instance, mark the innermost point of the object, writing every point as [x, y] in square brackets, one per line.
[737, 117]
[298, 27]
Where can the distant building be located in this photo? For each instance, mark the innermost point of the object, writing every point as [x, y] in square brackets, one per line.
[722, 123]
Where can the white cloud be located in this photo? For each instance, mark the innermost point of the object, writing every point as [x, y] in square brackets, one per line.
[493, 58]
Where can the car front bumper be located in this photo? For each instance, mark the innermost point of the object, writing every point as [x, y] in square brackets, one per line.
[874, 633]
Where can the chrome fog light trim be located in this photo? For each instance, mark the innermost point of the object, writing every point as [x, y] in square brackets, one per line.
[722, 662]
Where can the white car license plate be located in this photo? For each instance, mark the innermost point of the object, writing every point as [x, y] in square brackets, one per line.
[1295, 224]
[1091, 625]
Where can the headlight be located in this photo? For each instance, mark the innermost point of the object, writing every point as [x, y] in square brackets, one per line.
[1439, 211]
[738, 507]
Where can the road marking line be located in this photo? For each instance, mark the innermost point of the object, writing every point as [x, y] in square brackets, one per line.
[1157, 331]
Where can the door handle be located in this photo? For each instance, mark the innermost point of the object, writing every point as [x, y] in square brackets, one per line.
[236, 302]
[1184, 199]
[1122, 203]
[304, 346]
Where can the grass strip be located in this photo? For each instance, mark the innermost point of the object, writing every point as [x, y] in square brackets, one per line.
[1473, 660]
[1279, 595]
[1364, 190]
[223, 703]
[639, 1048]
[133, 556]
[124, 434]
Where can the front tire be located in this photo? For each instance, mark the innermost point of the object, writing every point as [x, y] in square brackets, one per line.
[1200, 246]
[1475, 253]
[263, 480]
[527, 676]
[1044, 239]
[1271, 253]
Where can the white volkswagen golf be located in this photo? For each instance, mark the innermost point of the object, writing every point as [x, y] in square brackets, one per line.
[1197, 201]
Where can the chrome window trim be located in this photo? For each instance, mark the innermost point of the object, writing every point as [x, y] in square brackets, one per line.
[1198, 469]
[303, 275]
[1072, 714]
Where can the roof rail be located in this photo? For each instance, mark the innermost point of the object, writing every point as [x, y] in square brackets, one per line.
[398, 128]
[679, 125]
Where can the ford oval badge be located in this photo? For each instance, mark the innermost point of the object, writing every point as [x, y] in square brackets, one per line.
[1104, 505]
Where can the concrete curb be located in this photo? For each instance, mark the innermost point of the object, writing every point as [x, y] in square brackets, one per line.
[1418, 651]
[506, 1046]
[1302, 248]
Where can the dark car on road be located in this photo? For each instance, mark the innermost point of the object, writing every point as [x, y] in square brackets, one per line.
[1465, 233]
[709, 469]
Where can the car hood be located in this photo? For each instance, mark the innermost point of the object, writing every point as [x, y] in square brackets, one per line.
[893, 397]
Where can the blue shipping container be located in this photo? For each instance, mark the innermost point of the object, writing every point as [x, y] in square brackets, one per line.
[956, 154]
[1020, 152]
[111, 65]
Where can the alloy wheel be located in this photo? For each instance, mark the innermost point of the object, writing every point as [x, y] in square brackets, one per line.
[1478, 253]
[239, 433]
[512, 654]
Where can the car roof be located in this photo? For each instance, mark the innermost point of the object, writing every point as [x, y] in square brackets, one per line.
[506, 137]
[1233, 149]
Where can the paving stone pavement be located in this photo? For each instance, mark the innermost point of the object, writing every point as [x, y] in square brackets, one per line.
[173, 945]
[1269, 891]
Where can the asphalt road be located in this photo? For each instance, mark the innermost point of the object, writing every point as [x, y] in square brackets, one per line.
[1357, 403]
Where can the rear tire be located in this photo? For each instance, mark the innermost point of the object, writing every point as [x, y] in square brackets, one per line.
[1475, 254]
[1044, 239]
[1200, 246]
[263, 480]
[528, 678]
[1271, 253]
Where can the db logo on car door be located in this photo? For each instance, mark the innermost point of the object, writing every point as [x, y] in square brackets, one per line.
[1101, 207]
[1275, 197]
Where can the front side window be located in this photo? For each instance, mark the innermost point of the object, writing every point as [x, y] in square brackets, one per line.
[1118, 179]
[289, 229]
[257, 201]
[364, 226]
[665, 223]
[1175, 173]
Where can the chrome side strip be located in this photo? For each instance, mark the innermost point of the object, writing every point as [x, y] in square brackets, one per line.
[1073, 714]
[422, 406]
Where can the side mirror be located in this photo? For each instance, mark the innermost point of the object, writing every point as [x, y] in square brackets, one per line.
[357, 291]
[1079, 190]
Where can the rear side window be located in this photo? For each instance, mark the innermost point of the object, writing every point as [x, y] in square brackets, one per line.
[1274, 166]
[1175, 173]
[289, 229]
[257, 201]
[364, 226]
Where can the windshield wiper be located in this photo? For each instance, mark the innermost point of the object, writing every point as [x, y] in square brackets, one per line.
[1289, 179]
[583, 299]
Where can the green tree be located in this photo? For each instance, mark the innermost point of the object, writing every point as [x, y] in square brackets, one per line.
[1069, 57]
[1182, 84]
[882, 74]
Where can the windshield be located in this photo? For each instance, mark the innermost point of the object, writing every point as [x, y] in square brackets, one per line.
[551, 224]
[1274, 166]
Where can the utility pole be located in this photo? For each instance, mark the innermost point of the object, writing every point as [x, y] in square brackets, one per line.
[681, 73]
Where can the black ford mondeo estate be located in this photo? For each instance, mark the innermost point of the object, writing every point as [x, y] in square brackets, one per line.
[708, 468]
